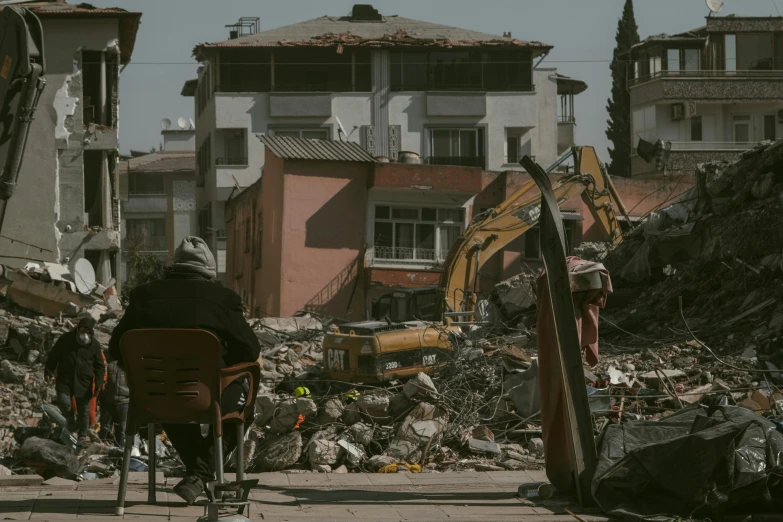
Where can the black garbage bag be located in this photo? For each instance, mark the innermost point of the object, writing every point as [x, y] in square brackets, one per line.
[49, 458]
[697, 462]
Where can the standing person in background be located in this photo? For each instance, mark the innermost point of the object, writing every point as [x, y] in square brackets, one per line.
[114, 404]
[77, 364]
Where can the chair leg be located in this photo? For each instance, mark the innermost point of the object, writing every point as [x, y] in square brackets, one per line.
[240, 452]
[152, 445]
[219, 458]
[126, 456]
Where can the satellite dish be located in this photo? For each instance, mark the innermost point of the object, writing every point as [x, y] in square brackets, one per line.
[84, 276]
[715, 5]
[340, 127]
[165, 124]
[192, 125]
[182, 122]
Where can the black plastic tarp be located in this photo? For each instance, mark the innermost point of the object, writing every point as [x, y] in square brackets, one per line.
[696, 462]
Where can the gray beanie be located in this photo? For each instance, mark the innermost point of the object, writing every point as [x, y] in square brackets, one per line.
[193, 255]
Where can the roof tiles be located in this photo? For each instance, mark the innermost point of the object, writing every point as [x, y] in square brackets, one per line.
[326, 150]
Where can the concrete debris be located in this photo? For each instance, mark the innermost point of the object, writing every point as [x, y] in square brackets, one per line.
[422, 383]
[281, 452]
[323, 452]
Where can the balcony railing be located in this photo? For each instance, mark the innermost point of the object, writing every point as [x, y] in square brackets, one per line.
[708, 74]
[459, 161]
[712, 145]
[234, 162]
[565, 118]
[402, 255]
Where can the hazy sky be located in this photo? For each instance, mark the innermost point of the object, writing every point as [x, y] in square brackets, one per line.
[581, 31]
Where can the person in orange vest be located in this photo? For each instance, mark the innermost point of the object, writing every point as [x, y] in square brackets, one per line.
[79, 368]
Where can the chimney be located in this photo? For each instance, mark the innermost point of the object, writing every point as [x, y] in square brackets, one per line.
[365, 13]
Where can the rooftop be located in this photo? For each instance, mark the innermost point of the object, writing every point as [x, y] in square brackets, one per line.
[161, 161]
[326, 150]
[371, 31]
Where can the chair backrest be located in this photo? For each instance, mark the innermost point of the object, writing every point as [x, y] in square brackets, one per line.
[173, 375]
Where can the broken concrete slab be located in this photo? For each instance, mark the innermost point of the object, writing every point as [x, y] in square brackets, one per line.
[329, 411]
[287, 413]
[281, 452]
[483, 446]
[423, 423]
[361, 433]
[422, 383]
[7, 481]
[323, 452]
[403, 450]
[58, 481]
[377, 462]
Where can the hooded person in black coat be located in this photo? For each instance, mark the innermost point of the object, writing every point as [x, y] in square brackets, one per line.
[80, 368]
[189, 297]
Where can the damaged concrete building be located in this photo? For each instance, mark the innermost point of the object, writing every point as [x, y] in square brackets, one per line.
[713, 92]
[158, 194]
[67, 202]
[396, 86]
[329, 229]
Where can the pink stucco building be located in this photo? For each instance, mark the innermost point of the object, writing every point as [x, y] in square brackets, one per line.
[328, 229]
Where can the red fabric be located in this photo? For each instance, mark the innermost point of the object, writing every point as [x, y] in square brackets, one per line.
[559, 468]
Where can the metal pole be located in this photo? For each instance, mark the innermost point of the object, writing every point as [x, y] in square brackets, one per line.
[126, 456]
[219, 457]
[240, 453]
[151, 445]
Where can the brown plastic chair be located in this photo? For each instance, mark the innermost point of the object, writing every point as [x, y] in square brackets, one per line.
[174, 377]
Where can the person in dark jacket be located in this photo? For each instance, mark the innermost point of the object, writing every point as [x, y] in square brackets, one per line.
[189, 297]
[114, 403]
[78, 364]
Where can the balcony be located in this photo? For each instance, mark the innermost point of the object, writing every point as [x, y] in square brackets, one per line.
[402, 256]
[684, 146]
[231, 162]
[458, 161]
[707, 86]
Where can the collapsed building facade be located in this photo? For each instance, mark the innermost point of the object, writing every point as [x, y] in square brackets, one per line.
[67, 204]
[391, 84]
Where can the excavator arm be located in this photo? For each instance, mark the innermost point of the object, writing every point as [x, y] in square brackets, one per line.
[22, 68]
[494, 229]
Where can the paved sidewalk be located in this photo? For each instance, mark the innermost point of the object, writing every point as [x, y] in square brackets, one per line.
[459, 496]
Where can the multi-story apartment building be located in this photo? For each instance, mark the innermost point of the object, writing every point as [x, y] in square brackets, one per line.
[66, 206]
[452, 96]
[158, 194]
[712, 92]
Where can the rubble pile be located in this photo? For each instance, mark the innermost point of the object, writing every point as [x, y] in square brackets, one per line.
[460, 417]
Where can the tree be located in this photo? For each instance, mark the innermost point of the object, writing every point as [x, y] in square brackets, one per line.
[619, 105]
[142, 268]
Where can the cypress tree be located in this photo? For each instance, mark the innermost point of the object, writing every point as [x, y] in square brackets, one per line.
[619, 105]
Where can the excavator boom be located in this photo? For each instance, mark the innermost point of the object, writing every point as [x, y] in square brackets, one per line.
[496, 228]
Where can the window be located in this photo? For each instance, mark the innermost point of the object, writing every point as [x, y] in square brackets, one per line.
[234, 147]
[461, 70]
[691, 59]
[512, 149]
[731, 52]
[770, 131]
[245, 70]
[248, 234]
[308, 134]
[673, 59]
[146, 184]
[644, 124]
[696, 128]
[754, 51]
[412, 233]
[259, 239]
[312, 70]
[741, 128]
[463, 147]
[146, 234]
[655, 64]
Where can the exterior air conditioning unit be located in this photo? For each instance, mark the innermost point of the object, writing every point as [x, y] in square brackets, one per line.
[678, 111]
[780, 116]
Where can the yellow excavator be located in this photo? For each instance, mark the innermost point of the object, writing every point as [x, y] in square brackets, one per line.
[415, 335]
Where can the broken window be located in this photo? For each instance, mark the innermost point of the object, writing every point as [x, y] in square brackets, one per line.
[146, 234]
[93, 200]
[463, 147]
[234, 143]
[99, 85]
[245, 70]
[146, 184]
[461, 70]
[533, 238]
[312, 70]
[412, 233]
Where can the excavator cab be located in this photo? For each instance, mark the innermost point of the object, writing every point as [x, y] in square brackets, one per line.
[409, 304]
